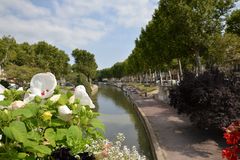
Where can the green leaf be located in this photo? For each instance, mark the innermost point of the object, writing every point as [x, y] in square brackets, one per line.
[63, 100]
[69, 94]
[42, 149]
[57, 122]
[74, 135]
[18, 130]
[7, 132]
[29, 143]
[22, 155]
[34, 135]
[37, 99]
[5, 116]
[5, 103]
[50, 136]
[96, 123]
[61, 133]
[22, 111]
[33, 107]
[28, 111]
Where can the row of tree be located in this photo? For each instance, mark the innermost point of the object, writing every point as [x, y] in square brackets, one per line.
[21, 61]
[183, 35]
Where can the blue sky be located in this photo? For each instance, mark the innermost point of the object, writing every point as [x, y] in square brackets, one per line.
[106, 28]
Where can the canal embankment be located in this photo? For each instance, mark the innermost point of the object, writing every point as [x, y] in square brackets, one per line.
[118, 115]
[172, 136]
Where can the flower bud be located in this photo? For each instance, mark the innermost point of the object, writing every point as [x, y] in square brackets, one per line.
[46, 116]
[55, 98]
[71, 99]
[65, 113]
[16, 105]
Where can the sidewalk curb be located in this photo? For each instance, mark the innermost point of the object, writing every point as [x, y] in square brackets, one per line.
[157, 151]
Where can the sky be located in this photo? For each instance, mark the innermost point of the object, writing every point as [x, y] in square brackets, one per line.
[106, 28]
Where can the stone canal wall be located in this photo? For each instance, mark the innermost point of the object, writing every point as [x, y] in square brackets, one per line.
[157, 152]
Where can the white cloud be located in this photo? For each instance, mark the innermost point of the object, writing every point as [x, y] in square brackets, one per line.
[70, 23]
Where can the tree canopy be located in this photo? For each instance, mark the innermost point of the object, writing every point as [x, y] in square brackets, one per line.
[233, 23]
[180, 31]
[85, 63]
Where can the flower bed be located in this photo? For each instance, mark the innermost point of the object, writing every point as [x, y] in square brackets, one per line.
[48, 123]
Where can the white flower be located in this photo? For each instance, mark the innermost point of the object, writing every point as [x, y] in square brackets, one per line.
[0, 136]
[55, 98]
[16, 104]
[71, 99]
[64, 113]
[2, 97]
[2, 89]
[43, 85]
[20, 89]
[80, 93]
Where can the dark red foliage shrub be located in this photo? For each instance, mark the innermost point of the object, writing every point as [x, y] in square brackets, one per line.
[211, 100]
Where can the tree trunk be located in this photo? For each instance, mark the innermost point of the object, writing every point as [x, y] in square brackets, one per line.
[198, 63]
[160, 75]
[170, 74]
[180, 69]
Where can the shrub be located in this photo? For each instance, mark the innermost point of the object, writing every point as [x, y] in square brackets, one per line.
[210, 100]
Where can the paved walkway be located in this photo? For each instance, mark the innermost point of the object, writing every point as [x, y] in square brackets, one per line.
[176, 136]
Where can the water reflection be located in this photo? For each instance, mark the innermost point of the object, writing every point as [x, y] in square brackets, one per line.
[118, 115]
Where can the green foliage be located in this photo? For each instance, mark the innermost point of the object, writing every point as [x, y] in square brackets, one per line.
[82, 80]
[179, 30]
[21, 61]
[224, 51]
[21, 74]
[233, 23]
[36, 129]
[84, 63]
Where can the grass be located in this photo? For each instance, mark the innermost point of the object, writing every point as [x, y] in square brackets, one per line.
[144, 88]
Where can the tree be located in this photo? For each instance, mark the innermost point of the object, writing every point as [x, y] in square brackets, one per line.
[8, 50]
[85, 63]
[225, 51]
[21, 74]
[233, 23]
[50, 58]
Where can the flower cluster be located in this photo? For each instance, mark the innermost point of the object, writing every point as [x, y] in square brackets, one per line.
[44, 119]
[232, 136]
[106, 150]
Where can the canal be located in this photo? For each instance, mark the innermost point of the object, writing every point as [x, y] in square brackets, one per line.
[118, 115]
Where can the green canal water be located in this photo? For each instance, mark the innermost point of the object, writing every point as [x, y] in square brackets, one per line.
[118, 115]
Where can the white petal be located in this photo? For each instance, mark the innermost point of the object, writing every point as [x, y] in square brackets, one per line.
[48, 94]
[29, 97]
[71, 99]
[20, 89]
[45, 82]
[2, 89]
[80, 93]
[64, 113]
[63, 110]
[35, 91]
[55, 98]
[2, 97]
